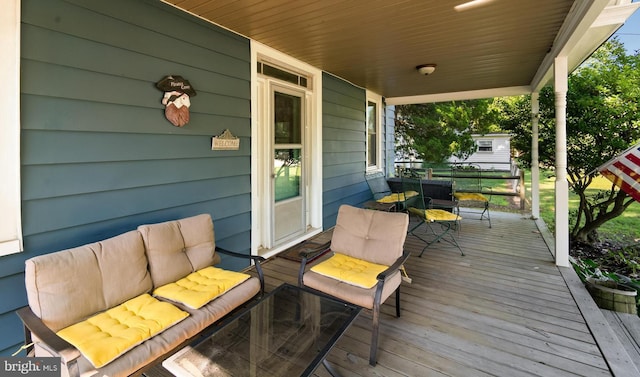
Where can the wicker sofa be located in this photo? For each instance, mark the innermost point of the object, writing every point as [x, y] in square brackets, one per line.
[70, 288]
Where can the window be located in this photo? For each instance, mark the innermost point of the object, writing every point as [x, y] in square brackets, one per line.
[10, 226]
[269, 70]
[485, 146]
[373, 120]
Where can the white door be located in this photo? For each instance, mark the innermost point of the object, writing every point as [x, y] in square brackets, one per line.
[288, 179]
[286, 151]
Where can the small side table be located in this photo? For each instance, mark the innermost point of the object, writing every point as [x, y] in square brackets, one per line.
[387, 207]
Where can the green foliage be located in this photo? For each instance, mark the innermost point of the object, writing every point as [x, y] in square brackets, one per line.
[435, 132]
[587, 268]
[602, 121]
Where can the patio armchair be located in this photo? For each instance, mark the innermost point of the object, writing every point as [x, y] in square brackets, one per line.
[365, 265]
[382, 193]
[468, 188]
[420, 207]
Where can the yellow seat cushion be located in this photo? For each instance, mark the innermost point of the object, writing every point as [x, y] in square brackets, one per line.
[475, 196]
[397, 197]
[105, 336]
[200, 287]
[432, 215]
[350, 270]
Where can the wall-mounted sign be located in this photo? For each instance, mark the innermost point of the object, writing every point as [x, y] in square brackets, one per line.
[176, 99]
[225, 142]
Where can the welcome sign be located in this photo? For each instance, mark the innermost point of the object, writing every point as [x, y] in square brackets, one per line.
[225, 142]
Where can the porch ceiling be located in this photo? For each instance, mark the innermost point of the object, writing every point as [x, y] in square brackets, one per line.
[491, 47]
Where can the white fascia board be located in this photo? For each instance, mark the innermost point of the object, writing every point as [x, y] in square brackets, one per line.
[602, 22]
[460, 96]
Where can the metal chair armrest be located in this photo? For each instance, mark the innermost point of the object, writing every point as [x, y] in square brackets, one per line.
[395, 266]
[305, 255]
[255, 258]
[489, 190]
[49, 340]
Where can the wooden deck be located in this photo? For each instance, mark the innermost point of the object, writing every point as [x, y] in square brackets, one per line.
[503, 309]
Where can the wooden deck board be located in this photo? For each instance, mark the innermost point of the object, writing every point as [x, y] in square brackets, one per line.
[502, 309]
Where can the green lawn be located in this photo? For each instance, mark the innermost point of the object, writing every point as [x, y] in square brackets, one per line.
[625, 228]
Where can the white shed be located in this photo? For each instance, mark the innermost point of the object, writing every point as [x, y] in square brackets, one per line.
[494, 152]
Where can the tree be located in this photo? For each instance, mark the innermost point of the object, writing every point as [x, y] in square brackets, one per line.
[437, 131]
[602, 121]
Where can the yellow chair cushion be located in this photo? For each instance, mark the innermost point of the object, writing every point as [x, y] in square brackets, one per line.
[200, 287]
[475, 196]
[105, 336]
[432, 215]
[350, 270]
[397, 197]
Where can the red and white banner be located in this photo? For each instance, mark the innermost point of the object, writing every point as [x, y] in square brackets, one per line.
[624, 171]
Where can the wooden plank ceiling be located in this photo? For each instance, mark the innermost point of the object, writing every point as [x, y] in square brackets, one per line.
[377, 44]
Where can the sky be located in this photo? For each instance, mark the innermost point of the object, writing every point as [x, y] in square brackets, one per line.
[629, 33]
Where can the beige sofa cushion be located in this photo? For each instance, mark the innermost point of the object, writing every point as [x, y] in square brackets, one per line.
[375, 236]
[198, 235]
[177, 248]
[66, 287]
[123, 263]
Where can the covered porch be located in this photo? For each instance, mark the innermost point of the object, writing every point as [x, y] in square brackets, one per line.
[503, 309]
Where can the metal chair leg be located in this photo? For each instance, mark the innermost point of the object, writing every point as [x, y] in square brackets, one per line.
[486, 209]
[438, 236]
[398, 302]
[373, 357]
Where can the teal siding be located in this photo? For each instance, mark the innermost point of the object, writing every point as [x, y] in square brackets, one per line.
[98, 156]
[343, 143]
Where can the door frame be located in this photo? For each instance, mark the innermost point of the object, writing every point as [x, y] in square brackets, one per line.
[261, 222]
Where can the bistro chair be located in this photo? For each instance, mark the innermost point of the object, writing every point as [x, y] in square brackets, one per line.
[441, 223]
[468, 189]
[366, 261]
[382, 193]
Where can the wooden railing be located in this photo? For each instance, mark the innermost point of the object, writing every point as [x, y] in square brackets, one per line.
[519, 189]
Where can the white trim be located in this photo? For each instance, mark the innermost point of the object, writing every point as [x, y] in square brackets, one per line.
[574, 30]
[261, 52]
[460, 96]
[535, 170]
[377, 99]
[11, 224]
[561, 74]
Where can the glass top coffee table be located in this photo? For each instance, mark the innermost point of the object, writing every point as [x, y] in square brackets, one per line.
[289, 332]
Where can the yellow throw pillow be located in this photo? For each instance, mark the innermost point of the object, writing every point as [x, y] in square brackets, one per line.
[200, 287]
[350, 270]
[432, 215]
[474, 196]
[104, 337]
[397, 197]
[441, 215]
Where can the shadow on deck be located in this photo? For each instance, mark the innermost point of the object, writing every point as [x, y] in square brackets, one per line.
[503, 309]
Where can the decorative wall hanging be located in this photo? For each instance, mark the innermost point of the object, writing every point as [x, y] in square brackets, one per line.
[225, 142]
[177, 91]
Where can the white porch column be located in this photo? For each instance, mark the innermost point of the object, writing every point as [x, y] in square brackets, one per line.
[535, 171]
[562, 186]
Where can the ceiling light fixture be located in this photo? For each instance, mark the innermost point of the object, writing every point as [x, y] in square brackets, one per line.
[426, 69]
[471, 4]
